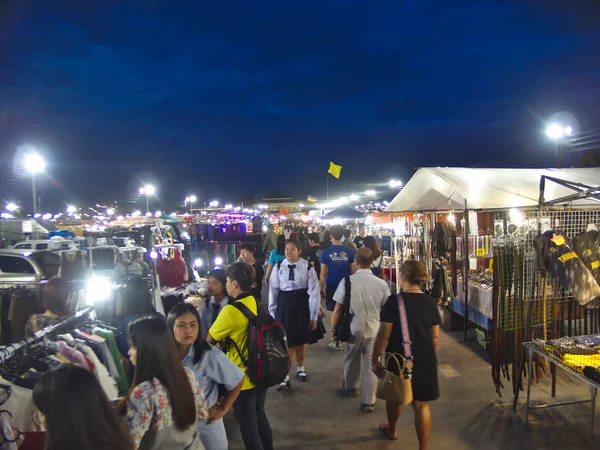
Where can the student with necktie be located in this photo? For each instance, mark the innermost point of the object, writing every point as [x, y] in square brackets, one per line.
[217, 301]
[294, 301]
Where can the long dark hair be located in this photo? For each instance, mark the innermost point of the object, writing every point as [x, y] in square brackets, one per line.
[56, 296]
[137, 298]
[200, 345]
[78, 414]
[281, 245]
[371, 244]
[157, 358]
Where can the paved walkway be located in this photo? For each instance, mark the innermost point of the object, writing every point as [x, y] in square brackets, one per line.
[469, 414]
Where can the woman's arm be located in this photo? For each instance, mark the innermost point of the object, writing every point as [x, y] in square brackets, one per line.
[381, 343]
[139, 413]
[435, 334]
[269, 270]
[218, 410]
[273, 293]
[314, 295]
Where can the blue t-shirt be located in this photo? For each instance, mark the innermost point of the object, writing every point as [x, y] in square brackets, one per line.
[275, 257]
[338, 258]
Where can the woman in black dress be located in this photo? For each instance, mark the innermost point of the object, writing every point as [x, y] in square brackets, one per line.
[424, 327]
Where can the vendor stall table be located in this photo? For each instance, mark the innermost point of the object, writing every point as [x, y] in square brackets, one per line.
[480, 305]
[532, 349]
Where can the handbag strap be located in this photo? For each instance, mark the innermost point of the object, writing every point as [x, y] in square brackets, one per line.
[406, 343]
[388, 356]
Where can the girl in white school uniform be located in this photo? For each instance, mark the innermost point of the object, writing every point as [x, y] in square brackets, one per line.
[294, 302]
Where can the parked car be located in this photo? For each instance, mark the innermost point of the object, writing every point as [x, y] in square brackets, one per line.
[20, 266]
[51, 244]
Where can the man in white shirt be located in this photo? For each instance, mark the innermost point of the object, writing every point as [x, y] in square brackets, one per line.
[368, 294]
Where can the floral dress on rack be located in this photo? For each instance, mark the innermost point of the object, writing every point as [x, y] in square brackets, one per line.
[150, 417]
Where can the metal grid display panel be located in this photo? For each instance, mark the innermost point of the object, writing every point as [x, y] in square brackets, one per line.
[519, 278]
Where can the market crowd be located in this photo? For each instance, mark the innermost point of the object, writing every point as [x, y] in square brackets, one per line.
[187, 370]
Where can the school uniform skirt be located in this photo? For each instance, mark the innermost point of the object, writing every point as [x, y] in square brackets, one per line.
[294, 315]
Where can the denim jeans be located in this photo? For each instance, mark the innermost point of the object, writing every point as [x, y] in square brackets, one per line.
[249, 409]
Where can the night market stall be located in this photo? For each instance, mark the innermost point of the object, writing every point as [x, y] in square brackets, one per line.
[493, 225]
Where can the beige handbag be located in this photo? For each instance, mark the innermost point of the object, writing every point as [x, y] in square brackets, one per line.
[395, 388]
[398, 388]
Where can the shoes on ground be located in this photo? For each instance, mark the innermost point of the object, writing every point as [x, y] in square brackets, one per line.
[334, 346]
[368, 408]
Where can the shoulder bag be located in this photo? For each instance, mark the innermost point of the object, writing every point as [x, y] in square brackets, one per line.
[398, 388]
[343, 332]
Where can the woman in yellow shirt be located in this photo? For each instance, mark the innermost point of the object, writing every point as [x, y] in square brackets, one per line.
[231, 323]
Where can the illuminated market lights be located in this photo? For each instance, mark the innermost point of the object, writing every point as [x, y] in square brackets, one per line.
[71, 209]
[11, 207]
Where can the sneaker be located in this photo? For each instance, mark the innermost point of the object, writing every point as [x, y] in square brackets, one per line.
[334, 346]
[368, 408]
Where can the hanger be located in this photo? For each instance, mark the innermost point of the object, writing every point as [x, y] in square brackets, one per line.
[592, 227]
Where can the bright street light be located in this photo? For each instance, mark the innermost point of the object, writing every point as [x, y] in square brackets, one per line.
[395, 184]
[34, 164]
[148, 190]
[214, 203]
[229, 206]
[71, 209]
[191, 199]
[11, 207]
[301, 205]
[110, 211]
[370, 193]
[354, 197]
[556, 132]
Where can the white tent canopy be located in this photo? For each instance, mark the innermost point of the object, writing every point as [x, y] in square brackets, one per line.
[443, 189]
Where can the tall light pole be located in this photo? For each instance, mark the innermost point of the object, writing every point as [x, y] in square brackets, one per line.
[34, 164]
[191, 200]
[148, 190]
[556, 132]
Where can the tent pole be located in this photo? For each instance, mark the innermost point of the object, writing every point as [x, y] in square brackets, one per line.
[466, 269]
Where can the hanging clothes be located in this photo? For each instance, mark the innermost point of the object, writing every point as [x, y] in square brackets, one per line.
[441, 240]
[587, 247]
[565, 266]
[111, 342]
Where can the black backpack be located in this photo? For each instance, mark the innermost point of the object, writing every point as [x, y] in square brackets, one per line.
[268, 362]
[343, 329]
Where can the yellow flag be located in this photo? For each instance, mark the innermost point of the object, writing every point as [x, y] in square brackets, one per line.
[334, 169]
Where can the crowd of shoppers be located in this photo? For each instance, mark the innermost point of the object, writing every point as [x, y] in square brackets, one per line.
[189, 370]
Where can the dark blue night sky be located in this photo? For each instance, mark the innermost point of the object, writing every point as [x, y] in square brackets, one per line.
[222, 98]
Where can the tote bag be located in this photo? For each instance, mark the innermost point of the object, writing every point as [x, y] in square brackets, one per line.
[398, 388]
